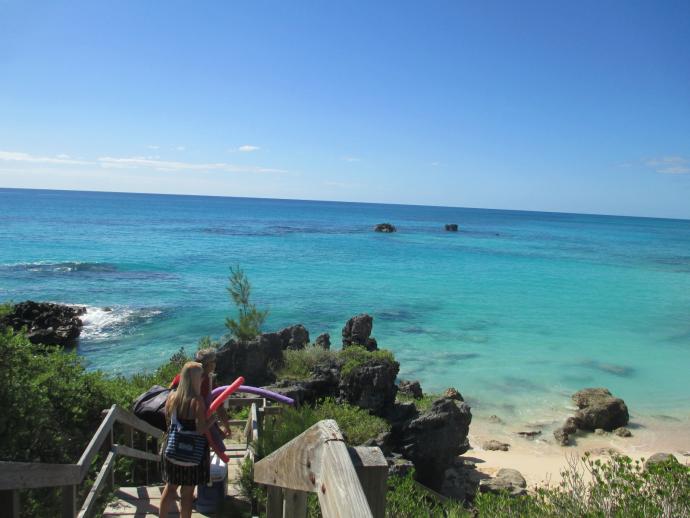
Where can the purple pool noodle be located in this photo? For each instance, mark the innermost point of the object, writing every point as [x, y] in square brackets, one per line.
[258, 392]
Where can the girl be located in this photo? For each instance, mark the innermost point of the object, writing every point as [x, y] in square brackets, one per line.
[188, 407]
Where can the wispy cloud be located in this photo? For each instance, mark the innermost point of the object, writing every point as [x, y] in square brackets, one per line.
[151, 146]
[669, 164]
[135, 162]
[247, 148]
[351, 159]
[169, 165]
[180, 148]
[14, 156]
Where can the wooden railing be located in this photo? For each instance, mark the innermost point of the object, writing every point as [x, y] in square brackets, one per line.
[349, 482]
[15, 476]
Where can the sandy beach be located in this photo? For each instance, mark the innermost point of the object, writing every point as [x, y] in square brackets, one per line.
[541, 460]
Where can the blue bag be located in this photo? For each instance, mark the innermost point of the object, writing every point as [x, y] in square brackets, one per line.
[184, 447]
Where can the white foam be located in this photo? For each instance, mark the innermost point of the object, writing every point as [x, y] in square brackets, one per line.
[101, 323]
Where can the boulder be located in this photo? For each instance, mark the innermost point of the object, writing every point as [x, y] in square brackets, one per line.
[385, 227]
[294, 337]
[506, 480]
[452, 393]
[562, 437]
[46, 323]
[323, 382]
[622, 432]
[381, 441]
[252, 359]
[434, 438]
[323, 341]
[357, 331]
[599, 409]
[398, 465]
[451, 227]
[461, 480]
[410, 388]
[371, 385]
[660, 458]
[493, 445]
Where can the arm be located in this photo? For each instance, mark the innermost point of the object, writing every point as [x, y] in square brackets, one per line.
[223, 418]
[202, 424]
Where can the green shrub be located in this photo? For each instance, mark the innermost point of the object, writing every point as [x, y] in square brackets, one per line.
[300, 363]
[423, 404]
[406, 499]
[356, 355]
[6, 308]
[356, 423]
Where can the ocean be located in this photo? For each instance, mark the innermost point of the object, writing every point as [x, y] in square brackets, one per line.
[517, 310]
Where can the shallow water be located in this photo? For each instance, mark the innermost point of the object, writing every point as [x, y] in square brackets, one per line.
[517, 310]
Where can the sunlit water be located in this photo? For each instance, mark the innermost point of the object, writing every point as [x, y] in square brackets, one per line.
[517, 310]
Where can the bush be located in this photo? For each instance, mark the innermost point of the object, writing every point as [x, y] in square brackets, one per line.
[249, 319]
[423, 404]
[356, 355]
[356, 423]
[300, 363]
[406, 499]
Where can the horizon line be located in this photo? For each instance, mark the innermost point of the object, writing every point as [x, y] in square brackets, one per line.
[348, 202]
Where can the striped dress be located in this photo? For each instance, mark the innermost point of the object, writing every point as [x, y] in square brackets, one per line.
[188, 475]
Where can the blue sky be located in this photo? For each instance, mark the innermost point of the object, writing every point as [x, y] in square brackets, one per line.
[577, 106]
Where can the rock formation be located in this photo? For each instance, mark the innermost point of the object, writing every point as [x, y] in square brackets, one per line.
[252, 359]
[357, 331]
[598, 409]
[371, 385]
[323, 341]
[294, 337]
[385, 227]
[506, 480]
[410, 388]
[451, 227]
[46, 323]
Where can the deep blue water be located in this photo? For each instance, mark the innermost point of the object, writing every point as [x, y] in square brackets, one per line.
[516, 310]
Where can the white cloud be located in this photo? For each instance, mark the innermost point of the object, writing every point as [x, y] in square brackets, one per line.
[669, 165]
[248, 148]
[14, 156]
[351, 159]
[169, 165]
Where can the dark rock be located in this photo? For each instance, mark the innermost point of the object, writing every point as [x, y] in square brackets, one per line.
[357, 331]
[494, 445]
[451, 227]
[529, 434]
[410, 388]
[398, 465]
[294, 337]
[600, 431]
[433, 439]
[371, 385]
[571, 425]
[323, 341]
[382, 441]
[385, 227]
[660, 458]
[622, 432]
[452, 393]
[506, 480]
[371, 345]
[461, 480]
[323, 382]
[252, 359]
[599, 409]
[562, 436]
[46, 323]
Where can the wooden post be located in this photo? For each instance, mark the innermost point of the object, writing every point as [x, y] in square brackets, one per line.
[274, 502]
[372, 471]
[69, 501]
[9, 503]
[294, 504]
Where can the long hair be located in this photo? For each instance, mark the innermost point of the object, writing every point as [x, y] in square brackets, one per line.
[186, 390]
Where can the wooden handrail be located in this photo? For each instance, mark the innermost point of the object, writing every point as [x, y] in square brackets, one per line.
[31, 475]
[319, 461]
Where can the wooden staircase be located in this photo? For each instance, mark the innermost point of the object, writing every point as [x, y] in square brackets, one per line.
[144, 501]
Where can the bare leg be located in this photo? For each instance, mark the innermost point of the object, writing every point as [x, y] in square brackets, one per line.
[187, 493]
[167, 498]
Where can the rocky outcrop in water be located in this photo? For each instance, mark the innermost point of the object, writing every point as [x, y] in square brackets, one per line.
[357, 331]
[451, 227]
[46, 323]
[323, 341]
[294, 337]
[385, 227]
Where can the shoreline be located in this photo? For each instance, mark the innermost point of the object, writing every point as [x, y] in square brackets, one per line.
[541, 459]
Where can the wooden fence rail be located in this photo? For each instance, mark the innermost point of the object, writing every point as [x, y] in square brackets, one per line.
[15, 476]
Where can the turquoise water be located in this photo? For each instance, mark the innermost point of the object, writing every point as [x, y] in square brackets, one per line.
[516, 310]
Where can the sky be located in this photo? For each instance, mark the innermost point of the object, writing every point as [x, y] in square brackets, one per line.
[554, 106]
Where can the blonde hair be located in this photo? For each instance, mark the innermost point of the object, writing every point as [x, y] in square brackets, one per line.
[186, 390]
[205, 356]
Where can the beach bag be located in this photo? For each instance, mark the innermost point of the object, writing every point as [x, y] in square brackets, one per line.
[184, 448]
[150, 406]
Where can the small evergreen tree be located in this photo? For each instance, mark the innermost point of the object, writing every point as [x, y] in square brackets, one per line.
[249, 319]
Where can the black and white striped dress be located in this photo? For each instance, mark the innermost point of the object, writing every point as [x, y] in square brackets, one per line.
[188, 475]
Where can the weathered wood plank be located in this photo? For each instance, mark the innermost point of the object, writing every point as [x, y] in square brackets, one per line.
[103, 474]
[372, 470]
[9, 503]
[296, 465]
[102, 433]
[121, 449]
[338, 488]
[124, 417]
[69, 501]
[294, 504]
[29, 475]
[274, 502]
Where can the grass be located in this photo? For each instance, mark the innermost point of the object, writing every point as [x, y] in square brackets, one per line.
[299, 364]
[423, 404]
[356, 355]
